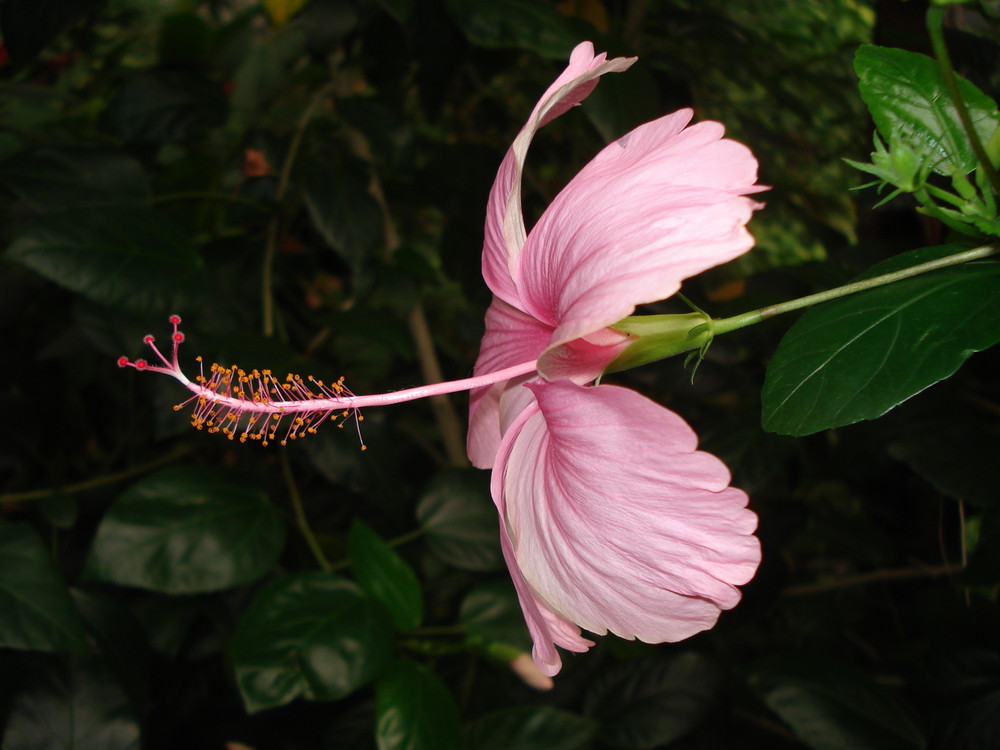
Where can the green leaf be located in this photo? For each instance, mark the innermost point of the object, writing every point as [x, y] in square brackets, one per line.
[385, 577]
[36, 610]
[831, 708]
[308, 635]
[491, 612]
[648, 703]
[518, 24]
[121, 256]
[53, 179]
[187, 530]
[165, 107]
[907, 98]
[414, 710]
[530, 728]
[460, 520]
[341, 208]
[984, 562]
[857, 357]
[71, 704]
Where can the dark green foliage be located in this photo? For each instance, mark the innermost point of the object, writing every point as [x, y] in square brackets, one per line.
[306, 184]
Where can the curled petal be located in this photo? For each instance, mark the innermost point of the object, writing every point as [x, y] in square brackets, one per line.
[505, 232]
[658, 205]
[616, 521]
[547, 629]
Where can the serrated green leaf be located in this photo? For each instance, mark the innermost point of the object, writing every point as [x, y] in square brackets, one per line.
[530, 728]
[308, 635]
[71, 703]
[907, 99]
[857, 357]
[518, 24]
[460, 520]
[414, 710]
[36, 610]
[649, 703]
[126, 257]
[385, 576]
[53, 179]
[832, 708]
[187, 530]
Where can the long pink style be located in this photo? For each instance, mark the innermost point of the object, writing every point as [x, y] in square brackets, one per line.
[253, 404]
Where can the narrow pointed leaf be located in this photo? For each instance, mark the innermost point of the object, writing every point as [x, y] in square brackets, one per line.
[414, 710]
[386, 577]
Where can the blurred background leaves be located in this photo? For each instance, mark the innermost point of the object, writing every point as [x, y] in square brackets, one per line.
[305, 182]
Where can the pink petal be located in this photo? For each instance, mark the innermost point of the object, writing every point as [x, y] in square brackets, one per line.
[546, 628]
[511, 337]
[504, 222]
[658, 205]
[616, 521]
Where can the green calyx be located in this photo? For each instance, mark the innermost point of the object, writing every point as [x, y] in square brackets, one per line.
[660, 336]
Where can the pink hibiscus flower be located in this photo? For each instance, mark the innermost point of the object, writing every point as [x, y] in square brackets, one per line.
[610, 518]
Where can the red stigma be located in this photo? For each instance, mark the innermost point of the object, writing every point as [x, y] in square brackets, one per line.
[123, 361]
[148, 339]
[140, 364]
[174, 320]
[178, 338]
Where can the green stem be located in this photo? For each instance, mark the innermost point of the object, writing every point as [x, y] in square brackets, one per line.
[300, 515]
[725, 325]
[94, 482]
[935, 26]
[284, 179]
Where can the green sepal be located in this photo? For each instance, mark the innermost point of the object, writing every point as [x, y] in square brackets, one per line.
[660, 336]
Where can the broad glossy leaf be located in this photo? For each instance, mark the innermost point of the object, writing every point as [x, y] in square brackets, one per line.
[460, 520]
[36, 610]
[491, 612]
[857, 357]
[126, 257]
[187, 530]
[308, 635]
[165, 107]
[518, 24]
[907, 98]
[831, 708]
[414, 710]
[386, 577]
[530, 728]
[71, 703]
[53, 179]
[647, 703]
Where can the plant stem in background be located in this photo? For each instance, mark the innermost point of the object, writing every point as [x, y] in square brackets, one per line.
[300, 515]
